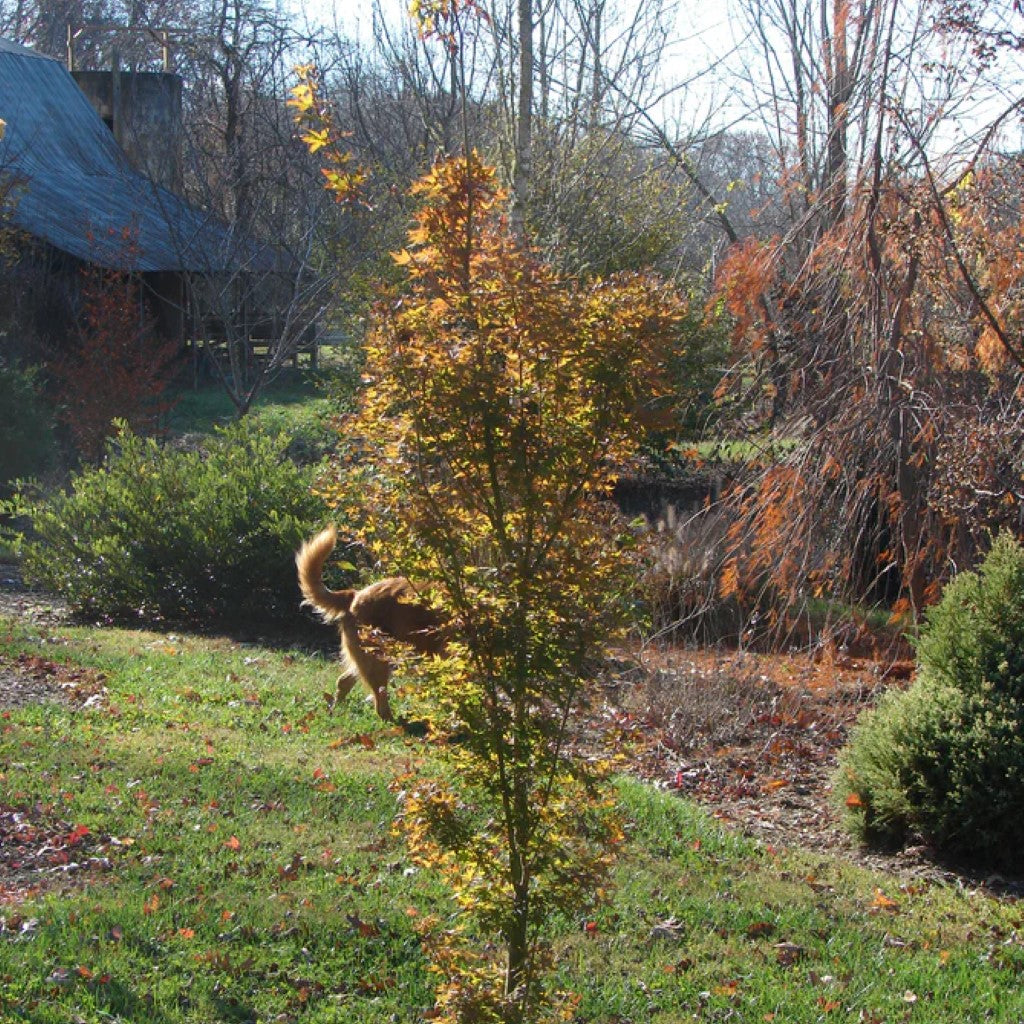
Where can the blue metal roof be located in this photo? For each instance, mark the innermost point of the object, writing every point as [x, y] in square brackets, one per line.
[77, 191]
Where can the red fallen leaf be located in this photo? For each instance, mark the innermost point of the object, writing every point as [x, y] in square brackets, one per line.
[374, 986]
[151, 905]
[773, 784]
[680, 966]
[76, 835]
[854, 800]
[828, 1005]
[290, 871]
[83, 972]
[367, 929]
[590, 927]
[319, 773]
[186, 933]
[234, 843]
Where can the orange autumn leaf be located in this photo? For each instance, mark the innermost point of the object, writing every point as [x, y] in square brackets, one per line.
[883, 902]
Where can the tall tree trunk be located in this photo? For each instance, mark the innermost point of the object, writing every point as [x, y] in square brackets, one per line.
[523, 166]
[837, 69]
[517, 969]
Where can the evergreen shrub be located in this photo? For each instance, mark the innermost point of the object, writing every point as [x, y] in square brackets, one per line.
[157, 533]
[944, 760]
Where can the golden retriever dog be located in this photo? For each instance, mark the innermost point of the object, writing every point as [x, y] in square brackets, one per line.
[391, 606]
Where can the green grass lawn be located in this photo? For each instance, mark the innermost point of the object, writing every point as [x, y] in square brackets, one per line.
[293, 400]
[238, 865]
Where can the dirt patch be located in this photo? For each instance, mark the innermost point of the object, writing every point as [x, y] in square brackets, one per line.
[39, 851]
[21, 602]
[29, 679]
[755, 738]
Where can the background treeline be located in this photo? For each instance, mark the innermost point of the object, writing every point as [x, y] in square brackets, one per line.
[836, 182]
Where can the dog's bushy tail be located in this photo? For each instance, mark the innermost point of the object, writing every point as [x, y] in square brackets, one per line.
[310, 559]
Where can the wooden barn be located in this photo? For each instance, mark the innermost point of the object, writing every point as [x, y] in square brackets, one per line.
[89, 181]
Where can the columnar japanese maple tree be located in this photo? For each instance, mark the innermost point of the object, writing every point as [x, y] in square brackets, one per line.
[501, 401]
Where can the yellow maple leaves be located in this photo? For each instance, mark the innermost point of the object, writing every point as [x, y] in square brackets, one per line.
[344, 177]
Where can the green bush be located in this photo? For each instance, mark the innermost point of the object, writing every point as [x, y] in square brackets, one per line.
[944, 760]
[205, 537]
[27, 442]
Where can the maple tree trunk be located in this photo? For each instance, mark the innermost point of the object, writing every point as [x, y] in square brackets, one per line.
[518, 964]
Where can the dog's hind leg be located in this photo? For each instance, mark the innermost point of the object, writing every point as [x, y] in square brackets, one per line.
[382, 704]
[345, 683]
[360, 664]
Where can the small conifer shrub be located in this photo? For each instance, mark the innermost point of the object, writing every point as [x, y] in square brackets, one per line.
[944, 760]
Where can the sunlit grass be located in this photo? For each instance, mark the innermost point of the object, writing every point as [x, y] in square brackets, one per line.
[243, 868]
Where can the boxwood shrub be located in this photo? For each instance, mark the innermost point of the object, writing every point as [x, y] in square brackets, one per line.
[944, 760]
[204, 536]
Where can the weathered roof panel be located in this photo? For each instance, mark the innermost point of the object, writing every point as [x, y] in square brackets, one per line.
[77, 191]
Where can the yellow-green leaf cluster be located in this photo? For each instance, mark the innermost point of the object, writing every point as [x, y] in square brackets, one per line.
[502, 401]
[314, 120]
